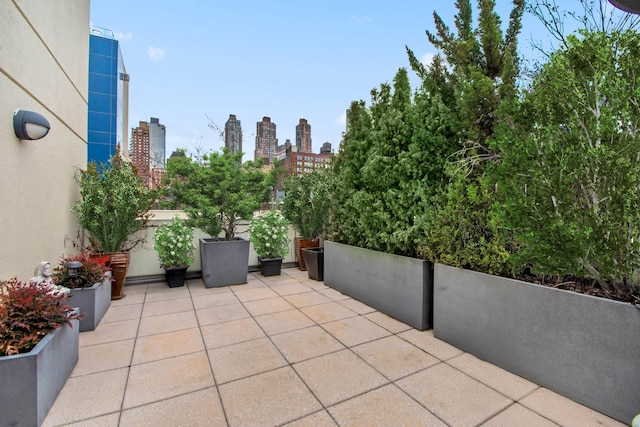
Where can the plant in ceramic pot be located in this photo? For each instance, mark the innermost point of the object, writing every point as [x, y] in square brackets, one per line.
[89, 280]
[306, 205]
[217, 192]
[174, 244]
[270, 239]
[115, 205]
[38, 346]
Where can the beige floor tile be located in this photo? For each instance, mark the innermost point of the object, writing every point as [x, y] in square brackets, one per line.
[253, 294]
[355, 330]
[123, 312]
[356, 306]
[167, 323]
[197, 288]
[564, 411]
[294, 287]
[518, 415]
[505, 382]
[306, 299]
[429, 343]
[303, 344]
[200, 408]
[110, 420]
[233, 332]
[386, 406]
[453, 396]
[164, 292]
[151, 382]
[328, 312]
[272, 398]
[319, 419]
[338, 376]
[88, 396]
[223, 313]
[275, 281]
[166, 345]
[316, 285]
[157, 308]
[104, 357]
[214, 300]
[134, 289]
[109, 332]
[283, 321]
[130, 299]
[241, 360]
[387, 322]
[266, 306]
[394, 357]
[333, 295]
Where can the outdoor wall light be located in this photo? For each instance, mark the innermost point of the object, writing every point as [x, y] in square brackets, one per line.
[631, 6]
[30, 125]
[73, 268]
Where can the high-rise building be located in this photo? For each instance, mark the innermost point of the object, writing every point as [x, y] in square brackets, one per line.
[266, 141]
[303, 136]
[233, 134]
[108, 97]
[148, 150]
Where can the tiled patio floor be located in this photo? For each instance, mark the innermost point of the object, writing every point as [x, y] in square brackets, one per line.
[286, 350]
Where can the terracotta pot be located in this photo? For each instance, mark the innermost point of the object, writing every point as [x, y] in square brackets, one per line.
[119, 264]
[302, 243]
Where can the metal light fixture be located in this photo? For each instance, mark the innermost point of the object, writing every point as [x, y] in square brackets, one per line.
[30, 125]
[73, 267]
[631, 6]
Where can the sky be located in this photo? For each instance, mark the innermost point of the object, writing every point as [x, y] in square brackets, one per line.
[190, 61]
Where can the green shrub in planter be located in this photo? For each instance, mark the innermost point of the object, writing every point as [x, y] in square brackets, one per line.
[270, 235]
[174, 244]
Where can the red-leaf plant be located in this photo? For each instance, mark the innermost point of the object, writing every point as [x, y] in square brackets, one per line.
[29, 312]
[91, 272]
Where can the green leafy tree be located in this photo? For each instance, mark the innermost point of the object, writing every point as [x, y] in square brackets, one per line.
[307, 200]
[570, 168]
[218, 191]
[485, 66]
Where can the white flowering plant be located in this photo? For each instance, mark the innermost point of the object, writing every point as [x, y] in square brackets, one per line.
[174, 244]
[270, 235]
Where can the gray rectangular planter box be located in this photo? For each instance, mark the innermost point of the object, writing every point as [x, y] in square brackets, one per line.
[93, 301]
[398, 286]
[30, 382]
[582, 347]
[223, 262]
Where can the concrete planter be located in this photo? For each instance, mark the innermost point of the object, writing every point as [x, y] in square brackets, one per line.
[223, 262]
[398, 286]
[582, 347]
[30, 382]
[93, 301]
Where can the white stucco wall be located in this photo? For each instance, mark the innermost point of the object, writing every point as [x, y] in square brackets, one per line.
[43, 68]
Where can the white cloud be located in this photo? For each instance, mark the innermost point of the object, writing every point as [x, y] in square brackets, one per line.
[427, 59]
[155, 53]
[361, 18]
[342, 120]
[122, 36]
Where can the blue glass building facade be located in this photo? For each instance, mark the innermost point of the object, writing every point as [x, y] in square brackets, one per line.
[108, 96]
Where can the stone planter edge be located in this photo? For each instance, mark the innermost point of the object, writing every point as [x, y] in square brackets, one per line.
[582, 347]
[399, 286]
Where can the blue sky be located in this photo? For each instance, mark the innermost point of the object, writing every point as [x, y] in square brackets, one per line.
[287, 60]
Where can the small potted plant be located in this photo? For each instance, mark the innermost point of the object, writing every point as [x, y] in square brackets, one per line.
[174, 244]
[89, 281]
[38, 346]
[270, 239]
[115, 205]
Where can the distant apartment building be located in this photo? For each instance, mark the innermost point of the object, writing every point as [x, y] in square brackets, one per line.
[303, 136]
[147, 150]
[266, 141]
[233, 134]
[108, 97]
[297, 163]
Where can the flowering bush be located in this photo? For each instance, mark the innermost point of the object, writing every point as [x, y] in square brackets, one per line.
[270, 235]
[28, 312]
[91, 272]
[174, 244]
